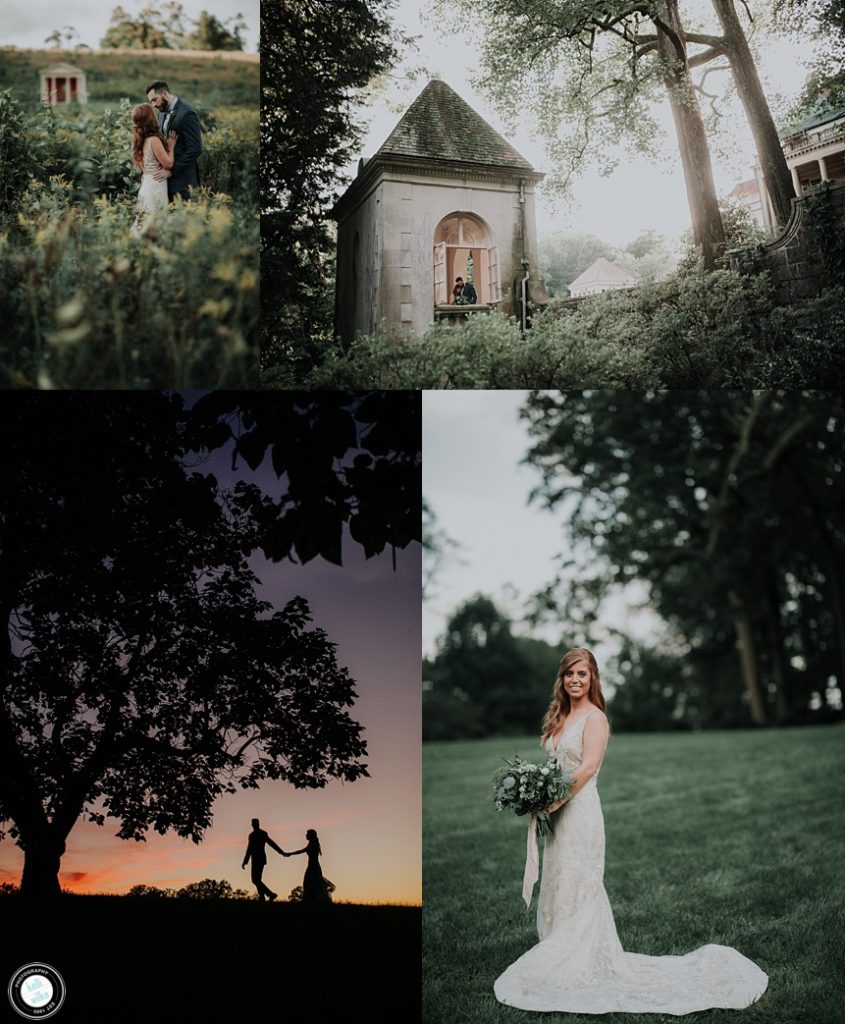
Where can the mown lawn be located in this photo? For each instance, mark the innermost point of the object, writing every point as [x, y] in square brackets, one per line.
[728, 837]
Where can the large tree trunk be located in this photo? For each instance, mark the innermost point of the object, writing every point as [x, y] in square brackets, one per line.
[748, 657]
[769, 149]
[707, 228]
[777, 653]
[42, 859]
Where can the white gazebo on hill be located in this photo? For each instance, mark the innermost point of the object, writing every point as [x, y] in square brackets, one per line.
[63, 83]
[601, 276]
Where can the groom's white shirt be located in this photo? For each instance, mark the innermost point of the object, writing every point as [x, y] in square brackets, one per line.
[168, 114]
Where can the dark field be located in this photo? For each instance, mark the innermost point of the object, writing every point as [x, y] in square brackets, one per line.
[134, 960]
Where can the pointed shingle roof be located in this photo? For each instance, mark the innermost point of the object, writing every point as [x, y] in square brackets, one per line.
[439, 125]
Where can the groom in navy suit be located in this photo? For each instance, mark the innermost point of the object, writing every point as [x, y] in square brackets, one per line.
[175, 115]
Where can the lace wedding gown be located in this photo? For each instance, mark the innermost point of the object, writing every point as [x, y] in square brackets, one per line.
[579, 965]
[152, 194]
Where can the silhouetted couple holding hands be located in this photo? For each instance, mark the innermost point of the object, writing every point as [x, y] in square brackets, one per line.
[313, 884]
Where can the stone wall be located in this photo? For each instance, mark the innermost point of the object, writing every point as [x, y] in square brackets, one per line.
[810, 253]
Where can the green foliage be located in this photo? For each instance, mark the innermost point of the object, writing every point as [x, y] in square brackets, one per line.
[824, 22]
[736, 815]
[564, 257]
[484, 681]
[723, 505]
[205, 81]
[316, 57]
[692, 330]
[174, 303]
[169, 27]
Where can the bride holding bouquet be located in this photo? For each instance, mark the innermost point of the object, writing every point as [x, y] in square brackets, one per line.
[150, 153]
[579, 966]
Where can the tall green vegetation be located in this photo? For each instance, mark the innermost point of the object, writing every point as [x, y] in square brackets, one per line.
[92, 299]
[727, 506]
[316, 56]
[166, 26]
[484, 680]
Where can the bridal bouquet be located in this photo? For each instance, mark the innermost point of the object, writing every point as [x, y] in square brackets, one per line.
[528, 788]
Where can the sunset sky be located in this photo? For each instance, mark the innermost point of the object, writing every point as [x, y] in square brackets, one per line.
[369, 829]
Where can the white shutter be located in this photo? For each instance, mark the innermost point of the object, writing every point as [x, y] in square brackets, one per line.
[441, 297]
[493, 273]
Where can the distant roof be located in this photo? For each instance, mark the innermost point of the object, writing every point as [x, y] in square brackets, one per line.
[821, 115]
[62, 69]
[439, 125]
[745, 188]
[603, 272]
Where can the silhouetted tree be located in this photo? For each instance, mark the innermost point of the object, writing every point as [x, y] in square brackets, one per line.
[296, 892]
[141, 674]
[152, 891]
[211, 889]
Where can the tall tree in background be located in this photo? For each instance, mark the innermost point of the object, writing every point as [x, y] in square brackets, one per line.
[315, 57]
[167, 25]
[484, 680]
[727, 506]
[598, 66]
[142, 675]
[592, 65]
[824, 21]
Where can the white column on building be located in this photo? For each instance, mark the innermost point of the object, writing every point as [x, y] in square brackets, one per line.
[823, 169]
[796, 181]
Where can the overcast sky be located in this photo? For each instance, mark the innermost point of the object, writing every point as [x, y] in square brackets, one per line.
[473, 447]
[27, 24]
[641, 194]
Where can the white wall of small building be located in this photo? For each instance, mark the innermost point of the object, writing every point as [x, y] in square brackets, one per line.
[398, 219]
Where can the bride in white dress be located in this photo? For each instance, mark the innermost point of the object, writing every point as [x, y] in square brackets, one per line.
[579, 965]
[150, 153]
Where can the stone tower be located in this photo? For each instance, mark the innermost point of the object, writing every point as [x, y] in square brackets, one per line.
[445, 196]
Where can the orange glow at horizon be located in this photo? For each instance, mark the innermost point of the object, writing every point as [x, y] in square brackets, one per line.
[370, 829]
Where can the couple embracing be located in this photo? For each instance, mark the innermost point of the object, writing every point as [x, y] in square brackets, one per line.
[166, 145]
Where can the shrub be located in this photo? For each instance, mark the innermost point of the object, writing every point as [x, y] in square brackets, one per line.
[93, 303]
[691, 331]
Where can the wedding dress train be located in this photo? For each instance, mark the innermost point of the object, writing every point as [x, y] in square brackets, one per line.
[579, 965]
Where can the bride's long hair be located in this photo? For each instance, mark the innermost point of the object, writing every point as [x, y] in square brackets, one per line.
[561, 704]
[144, 125]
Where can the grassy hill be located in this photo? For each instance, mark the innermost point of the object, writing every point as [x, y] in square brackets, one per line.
[141, 960]
[210, 81]
[735, 838]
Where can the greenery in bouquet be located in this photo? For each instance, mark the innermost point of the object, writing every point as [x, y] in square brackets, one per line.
[527, 788]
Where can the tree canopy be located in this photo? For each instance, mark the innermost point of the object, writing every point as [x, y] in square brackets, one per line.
[316, 57]
[142, 675]
[727, 506]
[484, 680]
[166, 26]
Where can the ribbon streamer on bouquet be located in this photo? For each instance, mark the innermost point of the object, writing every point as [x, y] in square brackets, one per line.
[532, 862]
